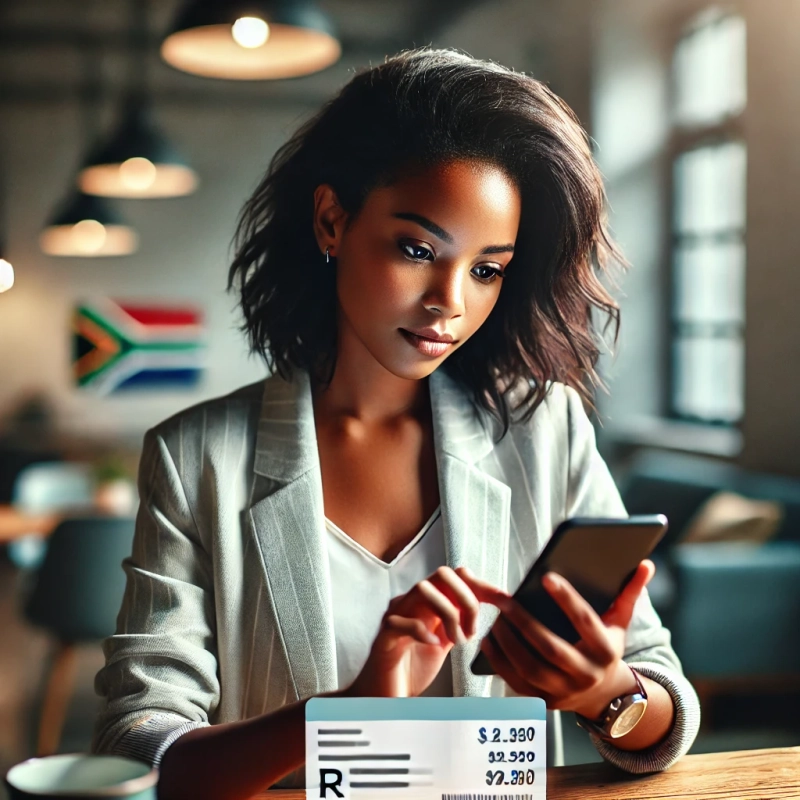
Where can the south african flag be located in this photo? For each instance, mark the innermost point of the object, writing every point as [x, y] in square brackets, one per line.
[124, 345]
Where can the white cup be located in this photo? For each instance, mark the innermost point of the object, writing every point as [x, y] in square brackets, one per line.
[81, 776]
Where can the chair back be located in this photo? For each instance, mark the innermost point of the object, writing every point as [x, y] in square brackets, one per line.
[78, 590]
[677, 485]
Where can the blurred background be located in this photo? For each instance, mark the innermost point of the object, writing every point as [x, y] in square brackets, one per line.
[132, 132]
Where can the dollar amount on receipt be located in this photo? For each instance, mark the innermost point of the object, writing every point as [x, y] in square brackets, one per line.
[444, 748]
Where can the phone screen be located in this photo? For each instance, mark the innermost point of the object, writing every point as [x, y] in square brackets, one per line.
[598, 557]
[597, 560]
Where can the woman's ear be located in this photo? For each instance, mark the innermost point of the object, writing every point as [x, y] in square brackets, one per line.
[329, 219]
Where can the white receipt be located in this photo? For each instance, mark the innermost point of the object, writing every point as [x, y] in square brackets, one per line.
[426, 748]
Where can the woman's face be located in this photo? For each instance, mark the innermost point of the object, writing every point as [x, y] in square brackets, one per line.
[420, 268]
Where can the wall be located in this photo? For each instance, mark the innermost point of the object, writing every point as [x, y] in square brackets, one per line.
[772, 129]
[549, 39]
[629, 111]
[633, 43]
[183, 257]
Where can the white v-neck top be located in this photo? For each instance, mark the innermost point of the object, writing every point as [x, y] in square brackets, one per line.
[362, 586]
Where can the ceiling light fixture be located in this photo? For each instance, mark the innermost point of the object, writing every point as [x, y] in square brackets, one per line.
[137, 161]
[257, 40]
[86, 226]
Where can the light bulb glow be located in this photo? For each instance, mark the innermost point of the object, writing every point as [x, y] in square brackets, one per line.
[137, 174]
[250, 32]
[6, 275]
[89, 235]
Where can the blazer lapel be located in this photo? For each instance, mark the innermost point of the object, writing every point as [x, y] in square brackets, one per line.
[288, 526]
[475, 511]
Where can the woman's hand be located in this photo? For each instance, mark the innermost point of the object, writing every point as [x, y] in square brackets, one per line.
[585, 677]
[417, 632]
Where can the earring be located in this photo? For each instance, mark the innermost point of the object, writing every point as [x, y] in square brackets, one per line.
[327, 255]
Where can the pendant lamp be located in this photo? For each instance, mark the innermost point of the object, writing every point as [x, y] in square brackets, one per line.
[86, 226]
[137, 161]
[256, 40]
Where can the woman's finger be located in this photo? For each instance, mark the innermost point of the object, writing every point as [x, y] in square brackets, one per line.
[485, 592]
[621, 611]
[453, 586]
[501, 665]
[530, 666]
[583, 617]
[429, 595]
[398, 626]
[549, 646]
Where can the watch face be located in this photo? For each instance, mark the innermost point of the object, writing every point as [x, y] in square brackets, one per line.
[628, 718]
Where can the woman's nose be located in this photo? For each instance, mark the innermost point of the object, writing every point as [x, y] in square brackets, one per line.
[445, 295]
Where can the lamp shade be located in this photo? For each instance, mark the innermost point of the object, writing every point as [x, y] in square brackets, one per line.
[137, 161]
[85, 226]
[259, 40]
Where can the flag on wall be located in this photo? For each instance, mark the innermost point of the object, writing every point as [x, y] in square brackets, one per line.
[121, 346]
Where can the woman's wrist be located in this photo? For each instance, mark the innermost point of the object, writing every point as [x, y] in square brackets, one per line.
[656, 723]
[620, 682]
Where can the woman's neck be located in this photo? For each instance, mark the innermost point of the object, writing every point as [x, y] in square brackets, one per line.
[370, 397]
[364, 390]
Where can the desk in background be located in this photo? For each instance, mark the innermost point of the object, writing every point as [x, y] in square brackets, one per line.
[741, 775]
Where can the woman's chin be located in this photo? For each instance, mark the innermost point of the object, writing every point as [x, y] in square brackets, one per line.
[404, 361]
[413, 369]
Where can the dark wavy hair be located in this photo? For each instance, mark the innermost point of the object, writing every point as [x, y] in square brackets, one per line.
[420, 108]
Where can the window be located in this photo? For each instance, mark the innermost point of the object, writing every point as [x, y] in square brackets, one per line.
[710, 74]
[709, 205]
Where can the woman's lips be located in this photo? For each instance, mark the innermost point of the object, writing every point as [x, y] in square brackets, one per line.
[428, 347]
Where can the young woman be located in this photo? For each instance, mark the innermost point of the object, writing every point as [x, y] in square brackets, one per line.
[418, 267]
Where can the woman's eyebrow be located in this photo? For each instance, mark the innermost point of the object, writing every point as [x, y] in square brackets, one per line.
[432, 227]
[497, 248]
[442, 234]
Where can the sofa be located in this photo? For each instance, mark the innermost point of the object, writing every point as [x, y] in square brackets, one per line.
[733, 608]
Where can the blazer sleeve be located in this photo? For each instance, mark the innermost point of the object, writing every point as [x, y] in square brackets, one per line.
[591, 492]
[160, 677]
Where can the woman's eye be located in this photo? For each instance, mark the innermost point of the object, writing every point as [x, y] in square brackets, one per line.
[415, 252]
[486, 273]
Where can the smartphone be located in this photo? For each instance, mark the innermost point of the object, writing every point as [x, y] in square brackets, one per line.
[597, 556]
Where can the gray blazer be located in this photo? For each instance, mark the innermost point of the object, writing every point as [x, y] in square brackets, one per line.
[227, 610]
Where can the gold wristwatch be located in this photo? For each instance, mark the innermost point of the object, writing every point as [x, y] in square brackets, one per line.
[622, 715]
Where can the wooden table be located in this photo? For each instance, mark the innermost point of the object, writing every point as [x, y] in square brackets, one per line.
[14, 524]
[741, 775]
